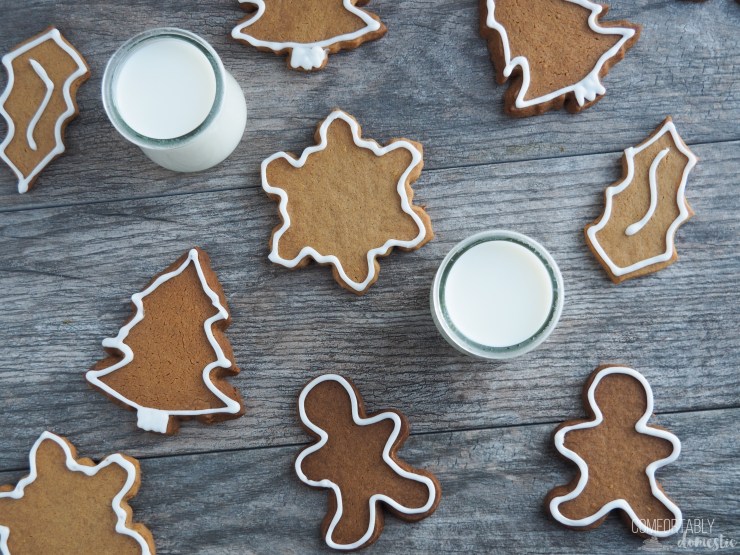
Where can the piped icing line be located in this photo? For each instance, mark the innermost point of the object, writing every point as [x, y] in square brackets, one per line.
[326, 483]
[41, 72]
[641, 427]
[306, 55]
[401, 189]
[150, 418]
[587, 88]
[82, 69]
[74, 466]
[637, 226]
[613, 190]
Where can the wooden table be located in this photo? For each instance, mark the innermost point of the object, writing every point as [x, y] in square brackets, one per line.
[103, 220]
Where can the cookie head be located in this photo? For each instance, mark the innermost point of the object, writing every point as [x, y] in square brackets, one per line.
[622, 400]
[355, 457]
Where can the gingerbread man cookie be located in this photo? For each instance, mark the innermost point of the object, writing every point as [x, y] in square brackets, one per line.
[617, 455]
[356, 457]
[635, 235]
[554, 52]
[71, 505]
[39, 101]
[308, 30]
[170, 360]
[346, 201]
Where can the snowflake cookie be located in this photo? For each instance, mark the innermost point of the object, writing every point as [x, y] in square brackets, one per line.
[346, 201]
[71, 505]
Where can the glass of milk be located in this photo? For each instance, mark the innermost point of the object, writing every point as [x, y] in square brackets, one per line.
[497, 295]
[167, 91]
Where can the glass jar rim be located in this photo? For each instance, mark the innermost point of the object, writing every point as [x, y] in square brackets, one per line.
[463, 343]
[120, 56]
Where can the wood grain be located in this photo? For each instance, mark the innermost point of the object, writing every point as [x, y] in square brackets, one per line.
[493, 487]
[69, 272]
[104, 219]
[429, 80]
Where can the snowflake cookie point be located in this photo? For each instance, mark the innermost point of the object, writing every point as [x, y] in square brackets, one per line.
[635, 235]
[39, 100]
[617, 454]
[82, 524]
[546, 68]
[355, 457]
[345, 202]
[319, 29]
[181, 377]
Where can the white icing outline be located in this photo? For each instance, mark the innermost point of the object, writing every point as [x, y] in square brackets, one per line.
[587, 88]
[74, 466]
[401, 188]
[326, 483]
[156, 420]
[306, 55]
[653, 181]
[642, 428]
[613, 190]
[41, 72]
[59, 148]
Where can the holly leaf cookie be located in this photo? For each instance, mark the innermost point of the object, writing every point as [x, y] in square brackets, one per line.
[355, 456]
[39, 101]
[345, 202]
[170, 359]
[642, 212]
[71, 505]
[308, 30]
[554, 52]
[617, 455]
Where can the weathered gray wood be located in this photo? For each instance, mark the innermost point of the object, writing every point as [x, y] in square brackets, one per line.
[68, 273]
[429, 79]
[493, 486]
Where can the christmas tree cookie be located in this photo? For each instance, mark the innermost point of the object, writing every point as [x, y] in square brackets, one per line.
[70, 505]
[309, 30]
[635, 234]
[617, 455]
[345, 202]
[169, 361]
[553, 52]
[356, 456]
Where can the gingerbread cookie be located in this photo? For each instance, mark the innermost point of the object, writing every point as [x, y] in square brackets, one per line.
[345, 202]
[635, 235]
[617, 455]
[169, 361]
[39, 101]
[71, 505]
[356, 457]
[308, 30]
[554, 52]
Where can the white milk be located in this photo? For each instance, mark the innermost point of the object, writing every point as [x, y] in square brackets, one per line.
[167, 92]
[165, 88]
[498, 293]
